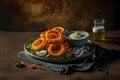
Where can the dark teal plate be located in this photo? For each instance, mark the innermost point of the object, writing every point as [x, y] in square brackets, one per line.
[55, 60]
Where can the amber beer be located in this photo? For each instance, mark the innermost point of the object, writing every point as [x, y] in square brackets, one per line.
[99, 33]
[98, 30]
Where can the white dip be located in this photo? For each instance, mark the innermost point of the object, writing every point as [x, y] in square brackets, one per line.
[77, 35]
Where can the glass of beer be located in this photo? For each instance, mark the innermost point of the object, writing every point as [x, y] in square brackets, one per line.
[99, 29]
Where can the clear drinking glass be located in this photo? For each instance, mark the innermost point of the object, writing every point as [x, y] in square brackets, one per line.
[99, 29]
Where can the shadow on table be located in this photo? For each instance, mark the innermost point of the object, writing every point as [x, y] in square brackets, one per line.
[114, 40]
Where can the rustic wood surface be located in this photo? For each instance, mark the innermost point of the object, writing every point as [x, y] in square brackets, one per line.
[12, 42]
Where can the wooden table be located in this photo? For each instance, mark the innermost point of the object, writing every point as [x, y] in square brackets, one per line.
[12, 42]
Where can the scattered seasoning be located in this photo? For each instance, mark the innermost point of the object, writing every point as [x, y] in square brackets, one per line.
[19, 56]
[34, 66]
[20, 64]
[42, 68]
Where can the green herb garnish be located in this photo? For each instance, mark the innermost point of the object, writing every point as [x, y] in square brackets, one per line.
[29, 47]
[19, 64]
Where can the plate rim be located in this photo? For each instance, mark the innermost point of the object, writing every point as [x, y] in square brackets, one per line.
[56, 60]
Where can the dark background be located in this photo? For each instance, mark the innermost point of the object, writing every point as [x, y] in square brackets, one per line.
[117, 14]
[38, 15]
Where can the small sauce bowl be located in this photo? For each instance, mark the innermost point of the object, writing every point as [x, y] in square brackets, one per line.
[79, 41]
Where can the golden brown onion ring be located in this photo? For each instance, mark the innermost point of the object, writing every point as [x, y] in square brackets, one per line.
[56, 49]
[60, 29]
[53, 36]
[38, 44]
[42, 34]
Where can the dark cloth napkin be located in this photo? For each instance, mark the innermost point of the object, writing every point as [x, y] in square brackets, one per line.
[96, 61]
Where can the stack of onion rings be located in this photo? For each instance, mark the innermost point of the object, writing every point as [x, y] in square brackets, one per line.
[53, 40]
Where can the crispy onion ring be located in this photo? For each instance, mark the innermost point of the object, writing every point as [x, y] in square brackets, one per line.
[53, 36]
[60, 29]
[56, 49]
[39, 44]
[42, 35]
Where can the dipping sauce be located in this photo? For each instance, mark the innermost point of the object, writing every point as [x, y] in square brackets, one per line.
[77, 35]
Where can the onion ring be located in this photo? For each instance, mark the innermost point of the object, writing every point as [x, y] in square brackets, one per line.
[60, 29]
[56, 49]
[42, 35]
[39, 44]
[53, 36]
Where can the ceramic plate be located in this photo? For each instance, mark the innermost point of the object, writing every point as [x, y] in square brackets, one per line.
[55, 60]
